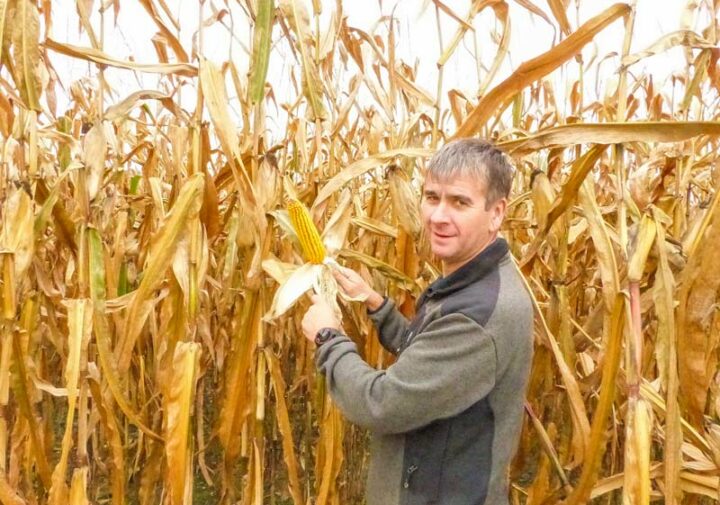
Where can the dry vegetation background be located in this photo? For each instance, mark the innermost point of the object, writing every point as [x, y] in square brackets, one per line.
[143, 236]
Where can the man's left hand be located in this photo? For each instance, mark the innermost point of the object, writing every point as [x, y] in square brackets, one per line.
[320, 315]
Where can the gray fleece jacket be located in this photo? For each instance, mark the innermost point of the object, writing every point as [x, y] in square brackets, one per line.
[446, 416]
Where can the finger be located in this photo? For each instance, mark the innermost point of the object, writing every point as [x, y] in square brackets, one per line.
[343, 271]
[347, 272]
[340, 277]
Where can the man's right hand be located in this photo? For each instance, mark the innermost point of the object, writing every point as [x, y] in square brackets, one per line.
[354, 286]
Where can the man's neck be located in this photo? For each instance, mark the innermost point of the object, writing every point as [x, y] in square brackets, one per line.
[448, 269]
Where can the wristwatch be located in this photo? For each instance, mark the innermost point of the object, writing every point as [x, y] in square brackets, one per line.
[326, 334]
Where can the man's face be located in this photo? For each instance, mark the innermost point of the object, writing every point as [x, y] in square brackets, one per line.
[456, 220]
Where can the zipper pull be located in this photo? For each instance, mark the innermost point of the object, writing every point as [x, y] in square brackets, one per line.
[408, 474]
[405, 341]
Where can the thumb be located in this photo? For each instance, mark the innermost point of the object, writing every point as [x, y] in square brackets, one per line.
[315, 299]
[347, 273]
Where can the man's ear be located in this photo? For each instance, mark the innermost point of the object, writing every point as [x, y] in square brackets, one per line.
[498, 213]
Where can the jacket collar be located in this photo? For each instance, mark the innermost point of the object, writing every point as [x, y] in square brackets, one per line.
[469, 273]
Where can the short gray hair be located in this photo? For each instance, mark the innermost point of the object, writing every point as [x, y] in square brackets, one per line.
[475, 158]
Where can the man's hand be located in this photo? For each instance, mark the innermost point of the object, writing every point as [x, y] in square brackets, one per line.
[320, 315]
[355, 287]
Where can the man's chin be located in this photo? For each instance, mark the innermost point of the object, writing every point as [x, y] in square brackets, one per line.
[441, 253]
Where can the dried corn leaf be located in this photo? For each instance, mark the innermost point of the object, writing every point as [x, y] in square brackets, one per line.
[697, 357]
[26, 52]
[685, 38]
[116, 461]
[99, 57]
[94, 154]
[405, 203]
[96, 262]
[666, 356]
[186, 208]
[262, 38]
[330, 455]
[80, 313]
[501, 11]
[285, 428]
[447, 10]
[4, 9]
[643, 243]
[17, 235]
[579, 171]
[178, 401]
[636, 487]
[298, 18]
[335, 232]
[527, 4]
[78, 495]
[612, 133]
[558, 8]
[213, 88]
[121, 110]
[476, 7]
[167, 34]
[8, 495]
[538, 67]
[237, 400]
[603, 246]
[596, 441]
[360, 167]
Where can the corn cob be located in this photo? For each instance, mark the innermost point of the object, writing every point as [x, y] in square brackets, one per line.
[312, 246]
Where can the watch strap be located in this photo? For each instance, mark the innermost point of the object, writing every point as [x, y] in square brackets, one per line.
[326, 334]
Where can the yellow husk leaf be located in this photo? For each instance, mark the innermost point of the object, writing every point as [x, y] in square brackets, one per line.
[178, 401]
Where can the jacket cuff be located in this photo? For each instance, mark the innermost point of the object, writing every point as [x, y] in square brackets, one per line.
[373, 312]
[328, 354]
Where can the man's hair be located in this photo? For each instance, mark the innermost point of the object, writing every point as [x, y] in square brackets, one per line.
[474, 158]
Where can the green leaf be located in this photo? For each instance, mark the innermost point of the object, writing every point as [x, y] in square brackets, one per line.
[262, 38]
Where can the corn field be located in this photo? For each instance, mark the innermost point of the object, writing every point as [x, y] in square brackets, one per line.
[152, 283]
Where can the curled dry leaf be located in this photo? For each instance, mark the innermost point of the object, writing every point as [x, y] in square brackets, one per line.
[17, 235]
[405, 203]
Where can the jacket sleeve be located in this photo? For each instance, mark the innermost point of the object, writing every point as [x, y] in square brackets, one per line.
[449, 366]
[391, 325]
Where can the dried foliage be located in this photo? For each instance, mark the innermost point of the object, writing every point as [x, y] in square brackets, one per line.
[142, 358]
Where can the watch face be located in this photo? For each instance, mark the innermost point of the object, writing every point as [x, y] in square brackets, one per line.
[324, 335]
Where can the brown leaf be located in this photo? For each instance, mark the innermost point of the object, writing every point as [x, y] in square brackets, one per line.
[4, 34]
[26, 52]
[360, 167]
[685, 38]
[285, 427]
[165, 31]
[612, 133]
[185, 208]
[121, 109]
[99, 57]
[697, 357]
[536, 68]
[666, 356]
[178, 402]
[558, 8]
[596, 445]
[94, 154]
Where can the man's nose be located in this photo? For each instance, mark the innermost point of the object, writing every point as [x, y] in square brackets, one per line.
[439, 214]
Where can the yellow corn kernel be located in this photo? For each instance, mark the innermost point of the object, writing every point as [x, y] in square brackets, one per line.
[312, 246]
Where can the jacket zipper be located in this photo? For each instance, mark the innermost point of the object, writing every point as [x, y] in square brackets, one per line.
[408, 474]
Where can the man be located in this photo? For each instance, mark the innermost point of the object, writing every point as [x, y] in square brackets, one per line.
[446, 416]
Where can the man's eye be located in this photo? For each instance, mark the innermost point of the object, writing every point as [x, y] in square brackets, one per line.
[431, 198]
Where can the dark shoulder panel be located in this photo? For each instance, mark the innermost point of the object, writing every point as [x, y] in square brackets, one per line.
[476, 301]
